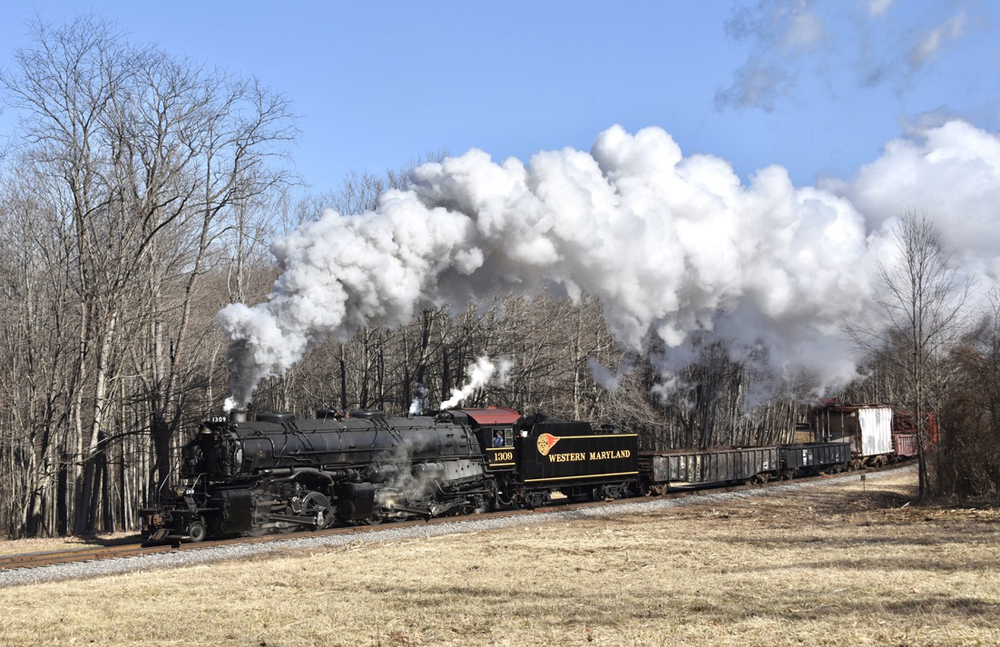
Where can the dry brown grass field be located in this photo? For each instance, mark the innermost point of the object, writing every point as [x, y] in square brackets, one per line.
[832, 565]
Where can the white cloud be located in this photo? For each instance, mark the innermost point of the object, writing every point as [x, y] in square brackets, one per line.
[790, 39]
[755, 85]
[879, 7]
[779, 31]
[931, 42]
[951, 172]
[803, 29]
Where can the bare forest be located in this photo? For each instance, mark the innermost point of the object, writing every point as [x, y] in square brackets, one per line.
[139, 196]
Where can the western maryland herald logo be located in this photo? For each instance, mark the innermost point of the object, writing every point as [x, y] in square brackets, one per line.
[545, 443]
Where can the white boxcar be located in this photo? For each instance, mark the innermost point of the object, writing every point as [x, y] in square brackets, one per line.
[868, 427]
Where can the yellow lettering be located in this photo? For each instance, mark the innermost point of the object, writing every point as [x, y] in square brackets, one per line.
[567, 457]
[608, 455]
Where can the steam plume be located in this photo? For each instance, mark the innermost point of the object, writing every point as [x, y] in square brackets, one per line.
[479, 373]
[670, 245]
[417, 406]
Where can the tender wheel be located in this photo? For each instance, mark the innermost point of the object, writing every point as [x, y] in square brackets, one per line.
[536, 499]
[196, 531]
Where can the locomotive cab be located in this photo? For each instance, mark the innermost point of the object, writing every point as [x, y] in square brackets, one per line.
[498, 443]
[497, 432]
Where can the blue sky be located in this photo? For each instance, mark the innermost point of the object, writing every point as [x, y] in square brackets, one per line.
[818, 87]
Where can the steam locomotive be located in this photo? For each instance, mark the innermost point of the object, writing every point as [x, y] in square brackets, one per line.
[279, 474]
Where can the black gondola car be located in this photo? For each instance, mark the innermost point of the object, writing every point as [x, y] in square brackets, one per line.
[812, 458]
[706, 466]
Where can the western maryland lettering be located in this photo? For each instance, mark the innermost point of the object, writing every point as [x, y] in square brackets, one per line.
[572, 457]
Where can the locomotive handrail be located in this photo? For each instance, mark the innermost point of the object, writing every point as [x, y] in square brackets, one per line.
[159, 490]
[198, 478]
[306, 442]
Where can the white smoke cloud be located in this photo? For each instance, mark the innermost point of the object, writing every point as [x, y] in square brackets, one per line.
[480, 373]
[670, 245]
[951, 172]
[606, 379]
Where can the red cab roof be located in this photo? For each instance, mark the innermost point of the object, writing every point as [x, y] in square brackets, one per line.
[493, 415]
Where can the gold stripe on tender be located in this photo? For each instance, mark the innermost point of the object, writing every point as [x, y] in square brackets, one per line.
[597, 436]
[582, 476]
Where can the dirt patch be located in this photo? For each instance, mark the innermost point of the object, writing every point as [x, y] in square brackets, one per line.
[829, 565]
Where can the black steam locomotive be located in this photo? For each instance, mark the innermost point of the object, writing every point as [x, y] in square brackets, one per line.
[278, 474]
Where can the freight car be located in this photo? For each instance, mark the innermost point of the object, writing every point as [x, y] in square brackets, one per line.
[877, 434]
[279, 474]
[727, 465]
[722, 465]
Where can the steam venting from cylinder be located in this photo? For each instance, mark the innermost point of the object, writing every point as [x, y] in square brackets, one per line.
[673, 247]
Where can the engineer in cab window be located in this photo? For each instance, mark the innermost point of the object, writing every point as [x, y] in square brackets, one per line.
[497, 438]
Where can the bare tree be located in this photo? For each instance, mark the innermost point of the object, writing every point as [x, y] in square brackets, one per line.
[916, 316]
[147, 161]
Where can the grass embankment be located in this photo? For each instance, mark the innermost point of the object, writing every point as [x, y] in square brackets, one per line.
[825, 566]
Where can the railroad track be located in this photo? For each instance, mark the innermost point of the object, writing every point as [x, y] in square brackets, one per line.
[136, 549]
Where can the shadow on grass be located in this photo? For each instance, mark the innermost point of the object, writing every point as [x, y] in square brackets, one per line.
[103, 541]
